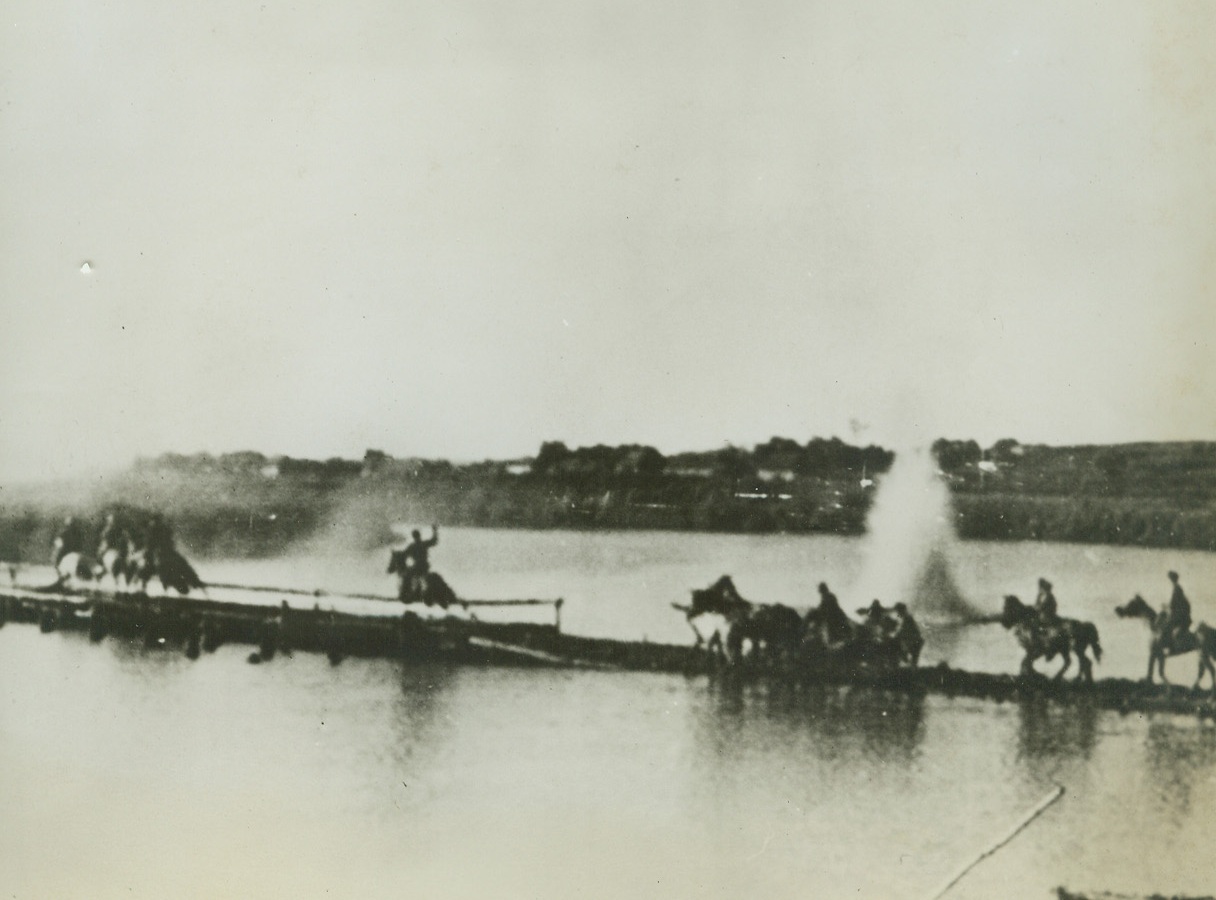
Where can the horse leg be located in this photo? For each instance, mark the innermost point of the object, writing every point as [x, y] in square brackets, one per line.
[700, 640]
[1087, 668]
[1064, 668]
[1027, 666]
[734, 645]
[1206, 660]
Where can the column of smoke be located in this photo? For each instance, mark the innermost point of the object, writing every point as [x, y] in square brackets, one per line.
[910, 534]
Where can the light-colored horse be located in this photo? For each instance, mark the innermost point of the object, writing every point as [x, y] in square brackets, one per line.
[75, 567]
[114, 563]
[771, 629]
[1164, 644]
[1064, 638]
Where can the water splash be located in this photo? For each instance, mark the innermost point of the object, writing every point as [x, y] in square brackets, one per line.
[910, 535]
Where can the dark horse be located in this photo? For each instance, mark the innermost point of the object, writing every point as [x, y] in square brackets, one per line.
[771, 628]
[435, 591]
[1039, 639]
[1164, 644]
[881, 641]
[173, 570]
[893, 630]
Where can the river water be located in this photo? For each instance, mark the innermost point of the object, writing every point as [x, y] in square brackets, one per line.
[137, 773]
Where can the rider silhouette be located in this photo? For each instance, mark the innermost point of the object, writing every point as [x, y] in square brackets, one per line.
[1179, 611]
[69, 540]
[113, 537]
[877, 623]
[417, 563]
[828, 613]
[1045, 604]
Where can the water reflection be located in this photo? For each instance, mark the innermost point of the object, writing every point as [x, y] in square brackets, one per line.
[1050, 732]
[1180, 755]
[148, 660]
[420, 706]
[833, 723]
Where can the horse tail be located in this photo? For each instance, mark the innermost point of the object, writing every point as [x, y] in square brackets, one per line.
[440, 590]
[1092, 630]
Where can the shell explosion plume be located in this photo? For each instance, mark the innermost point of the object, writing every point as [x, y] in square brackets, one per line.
[911, 531]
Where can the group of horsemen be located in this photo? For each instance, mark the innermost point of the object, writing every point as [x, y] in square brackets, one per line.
[887, 635]
[139, 545]
[131, 545]
[1176, 613]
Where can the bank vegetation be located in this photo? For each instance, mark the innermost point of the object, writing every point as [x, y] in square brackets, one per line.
[249, 504]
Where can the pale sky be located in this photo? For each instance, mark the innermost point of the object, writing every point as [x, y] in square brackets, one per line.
[459, 229]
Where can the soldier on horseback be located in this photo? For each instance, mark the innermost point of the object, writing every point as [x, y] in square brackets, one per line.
[879, 625]
[113, 537]
[1045, 605]
[906, 635]
[829, 612]
[413, 565]
[159, 536]
[1179, 622]
[71, 539]
[827, 625]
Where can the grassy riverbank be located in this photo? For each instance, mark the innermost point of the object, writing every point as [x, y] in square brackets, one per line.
[246, 504]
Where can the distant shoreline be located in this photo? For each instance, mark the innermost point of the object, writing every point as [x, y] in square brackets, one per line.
[250, 505]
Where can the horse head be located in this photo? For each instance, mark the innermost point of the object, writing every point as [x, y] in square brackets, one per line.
[396, 562]
[1137, 608]
[1014, 611]
[720, 597]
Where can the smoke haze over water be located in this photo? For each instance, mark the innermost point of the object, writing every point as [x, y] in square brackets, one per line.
[910, 533]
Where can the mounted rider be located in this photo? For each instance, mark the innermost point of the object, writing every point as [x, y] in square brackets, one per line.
[1179, 621]
[71, 539]
[907, 634]
[878, 623]
[834, 626]
[1045, 605]
[416, 565]
[113, 537]
[159, 536]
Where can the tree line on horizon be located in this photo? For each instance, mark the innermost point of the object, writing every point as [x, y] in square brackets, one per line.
[247, 503]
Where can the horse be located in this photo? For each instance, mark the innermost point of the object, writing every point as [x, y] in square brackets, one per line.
[895, 625]
[771, 628]
[1163, 643]
[1065, 637]
[114, 562]
[829, 632]
[176, 573]
[831, 638]
[76, 567]
[720, 599]
[433, 590]
[173, 570]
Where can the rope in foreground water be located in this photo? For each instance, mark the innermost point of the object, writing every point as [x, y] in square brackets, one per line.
[1013, 832]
